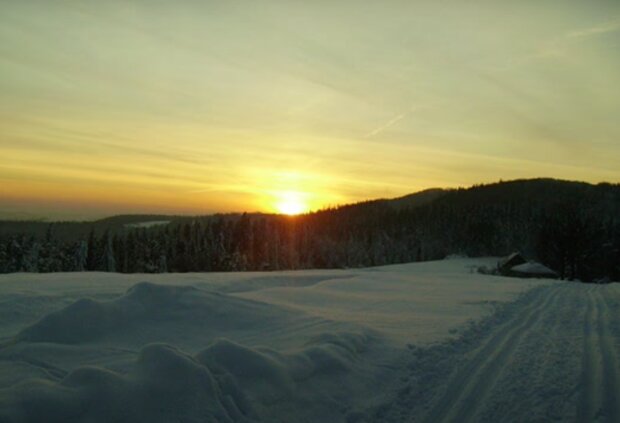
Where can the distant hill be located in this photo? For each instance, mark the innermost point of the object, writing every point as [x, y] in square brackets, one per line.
[572, 227]
[69, 231]
[73, 230]
[418, 199]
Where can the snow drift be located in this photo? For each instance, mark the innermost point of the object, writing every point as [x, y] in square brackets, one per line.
[145, 311]
[389, 344]
[223, 383]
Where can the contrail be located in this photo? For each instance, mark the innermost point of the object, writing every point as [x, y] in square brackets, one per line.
[386, 125]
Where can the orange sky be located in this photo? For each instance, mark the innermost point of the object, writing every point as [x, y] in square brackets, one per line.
[198, 107]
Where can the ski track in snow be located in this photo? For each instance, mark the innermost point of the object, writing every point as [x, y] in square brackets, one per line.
[601, 393]
[554, 357]
[470, 386]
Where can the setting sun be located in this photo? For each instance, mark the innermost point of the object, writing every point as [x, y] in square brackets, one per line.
[291, 203]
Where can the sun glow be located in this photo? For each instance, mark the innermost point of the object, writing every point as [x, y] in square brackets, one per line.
[291, 203]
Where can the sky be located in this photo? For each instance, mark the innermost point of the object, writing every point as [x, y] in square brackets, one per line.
[196, 107]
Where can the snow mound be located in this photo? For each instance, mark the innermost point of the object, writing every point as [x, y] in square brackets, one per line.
[268, 374]
[145, 309]
[226, 382]
[83, 320]
[165, 385]
[329, 353]
[263, 371]
[533, 268]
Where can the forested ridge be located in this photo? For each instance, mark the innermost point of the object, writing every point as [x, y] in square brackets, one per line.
[572, 227]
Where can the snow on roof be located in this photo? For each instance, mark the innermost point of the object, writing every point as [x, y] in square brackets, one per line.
[533, 268]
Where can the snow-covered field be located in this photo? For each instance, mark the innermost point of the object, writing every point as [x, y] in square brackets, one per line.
[425, 342]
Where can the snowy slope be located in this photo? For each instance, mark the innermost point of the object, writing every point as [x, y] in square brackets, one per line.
[416, 342]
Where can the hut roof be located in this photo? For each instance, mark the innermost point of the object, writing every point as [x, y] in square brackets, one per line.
[512, 260]
[533, 269]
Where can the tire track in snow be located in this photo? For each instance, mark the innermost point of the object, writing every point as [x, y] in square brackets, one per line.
[472, 383]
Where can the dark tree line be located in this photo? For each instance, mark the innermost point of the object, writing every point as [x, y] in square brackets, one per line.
[573, 228]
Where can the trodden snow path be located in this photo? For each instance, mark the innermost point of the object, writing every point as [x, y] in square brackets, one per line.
[550, 356]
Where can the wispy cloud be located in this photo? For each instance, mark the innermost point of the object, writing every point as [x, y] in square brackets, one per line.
[209, 102]
[602, 28]
[432, 104]
[386, 125]
[559, 47]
